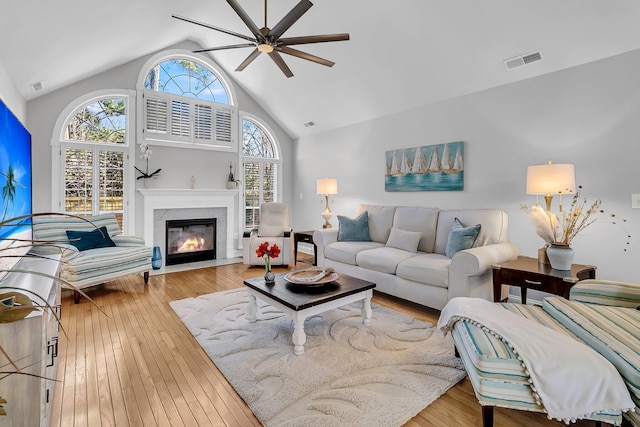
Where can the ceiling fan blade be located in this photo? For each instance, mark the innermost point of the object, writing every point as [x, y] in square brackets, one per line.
[289, 19]
[304, 55]
[212, 27]
[289, 41]
[231, 46]
[246, 19]
[280, 63]
[253, 55]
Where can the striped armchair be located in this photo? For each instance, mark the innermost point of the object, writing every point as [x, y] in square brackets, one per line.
[90, 267]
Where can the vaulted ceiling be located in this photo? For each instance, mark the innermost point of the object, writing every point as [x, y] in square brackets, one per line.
[402, 54]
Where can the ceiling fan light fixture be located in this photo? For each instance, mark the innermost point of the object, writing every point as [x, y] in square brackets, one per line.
[265, 48]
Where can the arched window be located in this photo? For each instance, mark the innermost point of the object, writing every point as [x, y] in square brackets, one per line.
[186, 102]
[261, 169]
[93, 157]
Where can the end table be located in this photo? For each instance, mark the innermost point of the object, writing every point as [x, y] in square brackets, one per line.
[528, 273]
[305, 237]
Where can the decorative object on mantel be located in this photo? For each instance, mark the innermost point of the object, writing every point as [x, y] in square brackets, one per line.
[232, 183]
[273, 252]
[560, 233]
[548, 179]
[326, 187]
[146, 155]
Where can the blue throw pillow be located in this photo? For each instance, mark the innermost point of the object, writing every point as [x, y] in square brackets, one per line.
[354, 230]
[461, 238]
[83, 240]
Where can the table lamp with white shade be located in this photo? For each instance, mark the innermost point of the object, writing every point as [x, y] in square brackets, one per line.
[327, 186]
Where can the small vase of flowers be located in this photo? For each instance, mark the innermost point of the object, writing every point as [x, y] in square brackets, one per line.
[264, 251]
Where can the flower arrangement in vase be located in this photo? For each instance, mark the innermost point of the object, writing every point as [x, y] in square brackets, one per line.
[559, 233]
[146, 155]
[268, 252]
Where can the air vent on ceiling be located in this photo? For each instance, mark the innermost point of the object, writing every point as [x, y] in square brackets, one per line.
[522, 60]
[36, 86]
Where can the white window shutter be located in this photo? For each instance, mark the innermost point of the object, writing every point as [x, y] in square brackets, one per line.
[178, 119]
[203, 123]
[155, 115]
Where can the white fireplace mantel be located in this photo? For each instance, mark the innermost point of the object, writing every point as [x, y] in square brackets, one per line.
[154, 199]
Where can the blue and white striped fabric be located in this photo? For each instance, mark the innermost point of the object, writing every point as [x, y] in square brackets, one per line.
[497, 375]
[614, 332]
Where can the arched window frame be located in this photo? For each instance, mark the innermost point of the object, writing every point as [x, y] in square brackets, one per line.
[59, 143]
[149, 100]
[277, 159]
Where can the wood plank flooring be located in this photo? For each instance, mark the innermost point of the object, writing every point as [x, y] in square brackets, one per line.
[137, 365]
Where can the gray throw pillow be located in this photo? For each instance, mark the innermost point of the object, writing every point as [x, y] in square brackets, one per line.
[354, 230]
[461, 237]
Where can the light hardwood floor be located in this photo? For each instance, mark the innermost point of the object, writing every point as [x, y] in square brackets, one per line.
[137, 365]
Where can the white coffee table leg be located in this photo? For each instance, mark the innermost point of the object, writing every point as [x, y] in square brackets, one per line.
[366, 310]
[252, 309]
[299, 337]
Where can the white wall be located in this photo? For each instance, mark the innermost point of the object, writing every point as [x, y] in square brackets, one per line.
[588, 115]
[11, 97]
[210, 168]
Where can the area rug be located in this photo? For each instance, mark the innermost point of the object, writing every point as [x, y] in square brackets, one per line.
[350, 374]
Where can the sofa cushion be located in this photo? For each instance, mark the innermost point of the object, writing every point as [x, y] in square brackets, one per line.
[425, 220]
[383, 259]
[94, 239]
[461, 237]
[405, 240]
[354, 230]
[430, 269]
[346, 252]
[494, 226]
[380, 221]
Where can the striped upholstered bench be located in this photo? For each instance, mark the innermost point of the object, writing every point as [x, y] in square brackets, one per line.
[82, 268]
[603, 316]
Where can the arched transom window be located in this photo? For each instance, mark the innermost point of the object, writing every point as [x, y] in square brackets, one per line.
[185, 77]
[186, 102]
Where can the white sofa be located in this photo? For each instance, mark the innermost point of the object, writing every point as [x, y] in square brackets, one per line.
[428, 276]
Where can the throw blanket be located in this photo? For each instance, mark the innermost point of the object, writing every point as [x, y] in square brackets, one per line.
[571, 380]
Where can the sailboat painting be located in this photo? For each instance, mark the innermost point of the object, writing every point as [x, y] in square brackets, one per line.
[427, 168]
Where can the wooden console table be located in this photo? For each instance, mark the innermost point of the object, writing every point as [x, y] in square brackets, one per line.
[528, 273]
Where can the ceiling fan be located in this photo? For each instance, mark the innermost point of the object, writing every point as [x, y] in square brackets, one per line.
[268, 40]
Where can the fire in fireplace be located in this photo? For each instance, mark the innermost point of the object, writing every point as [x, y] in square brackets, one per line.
[190, 240]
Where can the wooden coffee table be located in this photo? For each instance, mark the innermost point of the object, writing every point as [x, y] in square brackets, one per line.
[300, 301]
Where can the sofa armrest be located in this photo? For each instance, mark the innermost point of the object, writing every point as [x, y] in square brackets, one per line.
[322, 238]
[129, 241]
[606, 292]
[479, 260]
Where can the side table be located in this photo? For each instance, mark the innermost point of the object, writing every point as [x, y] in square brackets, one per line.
[528, 273]
[305, 237]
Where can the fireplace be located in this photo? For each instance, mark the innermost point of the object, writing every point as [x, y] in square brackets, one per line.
[190, 240]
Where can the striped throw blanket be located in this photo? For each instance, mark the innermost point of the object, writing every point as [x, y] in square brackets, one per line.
[571, 380]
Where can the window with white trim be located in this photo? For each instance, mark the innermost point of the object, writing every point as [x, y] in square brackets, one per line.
[186, 102]
[261, 169]
[93, 158]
